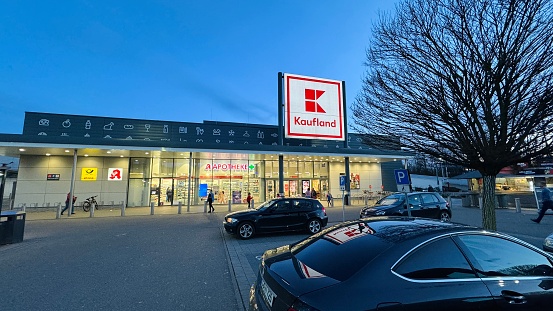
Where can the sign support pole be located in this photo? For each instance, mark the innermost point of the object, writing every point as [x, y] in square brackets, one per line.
[281, 134]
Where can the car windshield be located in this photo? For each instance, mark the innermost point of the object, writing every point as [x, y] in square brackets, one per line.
[391, 199]
[265, 205]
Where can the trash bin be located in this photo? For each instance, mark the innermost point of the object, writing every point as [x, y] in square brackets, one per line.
[12, 227]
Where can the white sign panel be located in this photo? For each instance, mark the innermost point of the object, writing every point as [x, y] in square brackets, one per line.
[115, 173]
[314, 108]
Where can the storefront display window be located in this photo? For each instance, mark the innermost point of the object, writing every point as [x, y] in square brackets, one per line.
[139, 168]
[139, 192]
[162, 167]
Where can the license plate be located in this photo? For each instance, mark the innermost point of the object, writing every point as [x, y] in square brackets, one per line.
[267, 293]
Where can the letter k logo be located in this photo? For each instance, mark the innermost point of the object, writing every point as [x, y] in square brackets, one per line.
[311, 97]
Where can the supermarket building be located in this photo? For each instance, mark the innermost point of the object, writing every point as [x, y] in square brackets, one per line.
[138, 162]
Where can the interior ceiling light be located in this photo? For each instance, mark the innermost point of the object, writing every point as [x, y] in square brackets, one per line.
[21, 149]
[48, 154]
[109, 151]
[86, 155]
[121, 156]
[66, 150]
[146, 153]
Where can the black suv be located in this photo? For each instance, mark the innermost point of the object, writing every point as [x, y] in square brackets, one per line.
[421, 204]
[283, 214]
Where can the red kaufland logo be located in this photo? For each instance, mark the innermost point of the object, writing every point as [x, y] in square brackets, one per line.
[311, 97]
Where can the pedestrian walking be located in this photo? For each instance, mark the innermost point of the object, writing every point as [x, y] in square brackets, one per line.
[67, 204]
[308, 193]
[314, 194]
[249, 200]
[547, 203]
[329, 199]
[210, 198]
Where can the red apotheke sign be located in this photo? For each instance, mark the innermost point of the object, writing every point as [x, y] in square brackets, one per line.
[314, 108]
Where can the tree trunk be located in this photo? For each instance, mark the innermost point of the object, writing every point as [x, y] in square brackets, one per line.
[488, 205]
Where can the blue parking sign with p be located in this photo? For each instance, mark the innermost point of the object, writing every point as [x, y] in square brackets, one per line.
[402, 177]
[342, 183]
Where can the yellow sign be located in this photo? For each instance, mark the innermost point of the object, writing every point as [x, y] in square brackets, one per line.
[89, 173]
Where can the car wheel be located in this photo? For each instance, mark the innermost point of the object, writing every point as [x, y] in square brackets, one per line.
[314, 226]
[246, 230]
[444, 216]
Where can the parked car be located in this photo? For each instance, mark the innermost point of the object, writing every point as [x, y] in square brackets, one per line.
[283, 214]
[548, 243]
[421, 204]
[400, 263]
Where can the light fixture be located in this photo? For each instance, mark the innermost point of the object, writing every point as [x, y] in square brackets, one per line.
[21, 149]
[48, 154]
[121, 156]
[86, 155]
[109, 151]
[146, 153]
[66, 150]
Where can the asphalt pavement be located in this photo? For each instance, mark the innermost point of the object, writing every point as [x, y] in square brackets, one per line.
[163, 261]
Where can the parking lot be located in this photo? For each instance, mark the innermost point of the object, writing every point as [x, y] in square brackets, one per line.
[179, 262]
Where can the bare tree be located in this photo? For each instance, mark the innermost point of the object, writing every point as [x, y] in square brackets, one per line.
[467, 81]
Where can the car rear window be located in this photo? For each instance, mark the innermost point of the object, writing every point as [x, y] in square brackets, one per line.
[342, 252]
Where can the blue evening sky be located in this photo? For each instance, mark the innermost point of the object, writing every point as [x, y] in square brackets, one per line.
[175, 60]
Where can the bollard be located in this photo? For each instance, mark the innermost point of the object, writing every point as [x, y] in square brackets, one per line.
[179, 210]
[229, 206]
[205, 206]
[152, 208]
[480, 202]
[517, 204]
[92, 208]
[251, 204]
[449, 201]
[58, 210]
[123, 208]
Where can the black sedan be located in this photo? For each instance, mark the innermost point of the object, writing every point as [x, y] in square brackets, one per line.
[284, 214]
[421, 204]
[399, 263]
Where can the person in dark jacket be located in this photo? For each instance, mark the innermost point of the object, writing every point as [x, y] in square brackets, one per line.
[210, 198]
[547, 203]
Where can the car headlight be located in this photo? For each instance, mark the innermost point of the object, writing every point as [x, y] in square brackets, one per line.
[231, 220]
[380, 213]
[548, 242]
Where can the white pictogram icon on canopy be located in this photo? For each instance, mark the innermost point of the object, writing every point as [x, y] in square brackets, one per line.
[216, 132]
[165, 128]
[87, 125]
[199, 131]
[108, 126]
[246, 134]
[260, 134]
[128, 126]
[44, 122]
[183, 129]
[231, 133]
[147, 126]
[66, 123]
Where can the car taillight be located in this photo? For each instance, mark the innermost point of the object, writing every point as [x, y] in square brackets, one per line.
[447, 204]
[324, 210]
[299, 305]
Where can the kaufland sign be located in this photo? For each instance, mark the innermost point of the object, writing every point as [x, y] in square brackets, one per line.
[313, 108]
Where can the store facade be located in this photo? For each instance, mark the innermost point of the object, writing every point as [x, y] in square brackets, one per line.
[139, 162]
